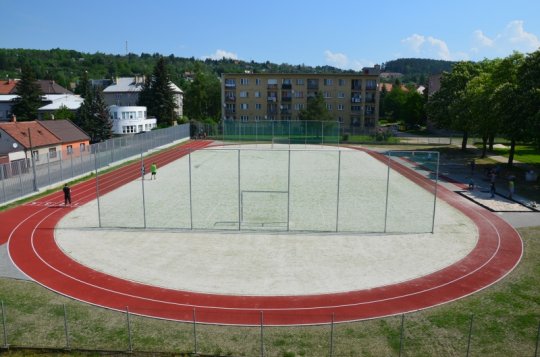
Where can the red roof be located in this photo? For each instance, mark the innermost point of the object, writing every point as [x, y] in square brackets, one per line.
[7, 86]
[40, 135]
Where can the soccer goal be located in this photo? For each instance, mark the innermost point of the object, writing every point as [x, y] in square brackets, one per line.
[264, 209]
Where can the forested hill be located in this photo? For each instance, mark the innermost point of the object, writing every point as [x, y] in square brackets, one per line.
[67, 66]
[417, 67]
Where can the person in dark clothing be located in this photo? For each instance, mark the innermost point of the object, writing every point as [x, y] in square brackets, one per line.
[67, 194]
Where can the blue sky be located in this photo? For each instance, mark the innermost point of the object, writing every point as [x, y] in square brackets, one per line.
[347, 34]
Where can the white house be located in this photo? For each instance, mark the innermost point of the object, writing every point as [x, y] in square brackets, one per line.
[125, 91]
[130, 120]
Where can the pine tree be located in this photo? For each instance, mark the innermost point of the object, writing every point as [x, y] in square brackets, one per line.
[93, 117]
[29, 96]
[83, 87]
[158, 96]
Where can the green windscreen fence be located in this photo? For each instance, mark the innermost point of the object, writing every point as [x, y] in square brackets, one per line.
[281, 131]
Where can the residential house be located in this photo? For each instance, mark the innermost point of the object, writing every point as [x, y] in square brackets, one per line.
[73, 139]
[130, 119]
[125, 91]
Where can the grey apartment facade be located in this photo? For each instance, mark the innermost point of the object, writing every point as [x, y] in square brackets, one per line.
[352, 99]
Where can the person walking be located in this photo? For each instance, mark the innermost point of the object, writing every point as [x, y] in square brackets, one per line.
[511, 187]
[492, 189]
[153, 170]
[67, 194]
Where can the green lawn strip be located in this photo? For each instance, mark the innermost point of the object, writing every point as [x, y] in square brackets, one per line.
[505, 322]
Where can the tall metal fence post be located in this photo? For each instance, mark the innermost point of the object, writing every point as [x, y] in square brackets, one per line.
[239, 194]
[332, 336]
[66, 328]
[262, 334]
[470, 335]
[194, 332]
[537, 340]
[190, 190]
[71, 161]
[61, 166]
[435, 194]
[338, 187]
[142, 185]
[401, 335]
[49, 169]
[387, 190]
[3, 177]
[97, 186]
[20, 177]
[4, 328]
[289, 191]
[128, 322]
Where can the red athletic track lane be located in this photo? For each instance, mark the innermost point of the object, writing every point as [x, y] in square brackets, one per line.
[34, 251]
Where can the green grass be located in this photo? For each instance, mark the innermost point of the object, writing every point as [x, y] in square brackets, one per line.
[527, 154]
[505, 323]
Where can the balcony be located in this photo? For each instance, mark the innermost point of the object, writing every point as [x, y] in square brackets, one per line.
[371, 87]
[286, 86]
[230, 99]
[356, 100]
[272, 99]
[230, 111]
[230, 85]
[286, 99]
[272, 86]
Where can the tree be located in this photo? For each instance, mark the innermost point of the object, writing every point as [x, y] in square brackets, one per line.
[448, 107]
[203, 96]
[394, 102]
[316, 109]
[93, 117]
[529, 75]
[29, 93]
[62, 113]
[158, 96]
[83, 87]
[413, 109]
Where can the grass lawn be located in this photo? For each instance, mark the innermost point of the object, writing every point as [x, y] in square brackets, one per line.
[505, 323]
[527, 154]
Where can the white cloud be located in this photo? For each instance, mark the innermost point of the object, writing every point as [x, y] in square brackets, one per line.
[440, 47]
[482, 40]
[523, 40]
[414, 42]
[220, 54]
[513, 37]
[341, 60]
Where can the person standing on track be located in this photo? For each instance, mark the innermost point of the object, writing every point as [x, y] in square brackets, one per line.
[67, 194]
[153, 170]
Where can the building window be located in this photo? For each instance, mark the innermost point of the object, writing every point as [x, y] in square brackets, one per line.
[327, 94]
[244, 94]
[230, 83]
[140, 115]
[371, 84]
[341, 95]
[356, 108]
[329, 106]
[328, 82]
[244, 81]
[82, 147]
[52, 153]
[341, 82]
[257, 94]
[299, 94]
[257, 81]
[258, 106]
[298, 106]
[244, 106]
[300, 82]
[69, 149]
[35, 155]
[340, 107]
[244, 117]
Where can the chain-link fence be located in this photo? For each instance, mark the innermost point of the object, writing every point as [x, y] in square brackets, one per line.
[77, 327]
[20, 178]
[277, 187]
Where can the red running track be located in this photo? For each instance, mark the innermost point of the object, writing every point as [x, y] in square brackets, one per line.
[29, 230]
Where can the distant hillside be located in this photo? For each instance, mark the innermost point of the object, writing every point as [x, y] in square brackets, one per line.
[417, 69]
[67, 66]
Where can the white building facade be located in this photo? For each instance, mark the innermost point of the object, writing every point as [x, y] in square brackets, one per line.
[130, 120]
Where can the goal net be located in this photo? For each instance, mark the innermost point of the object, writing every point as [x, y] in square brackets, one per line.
[264, 209]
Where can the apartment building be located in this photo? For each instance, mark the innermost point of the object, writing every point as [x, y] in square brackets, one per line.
[353, 99]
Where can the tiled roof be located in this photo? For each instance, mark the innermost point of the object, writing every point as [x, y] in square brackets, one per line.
[47, 87]
[40, 135]
[124, 84]
[7, 86]
[65, 130]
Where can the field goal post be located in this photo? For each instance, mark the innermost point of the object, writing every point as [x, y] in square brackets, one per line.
[264, 209]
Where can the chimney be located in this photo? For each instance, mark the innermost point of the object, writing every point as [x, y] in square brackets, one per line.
[13, 118]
